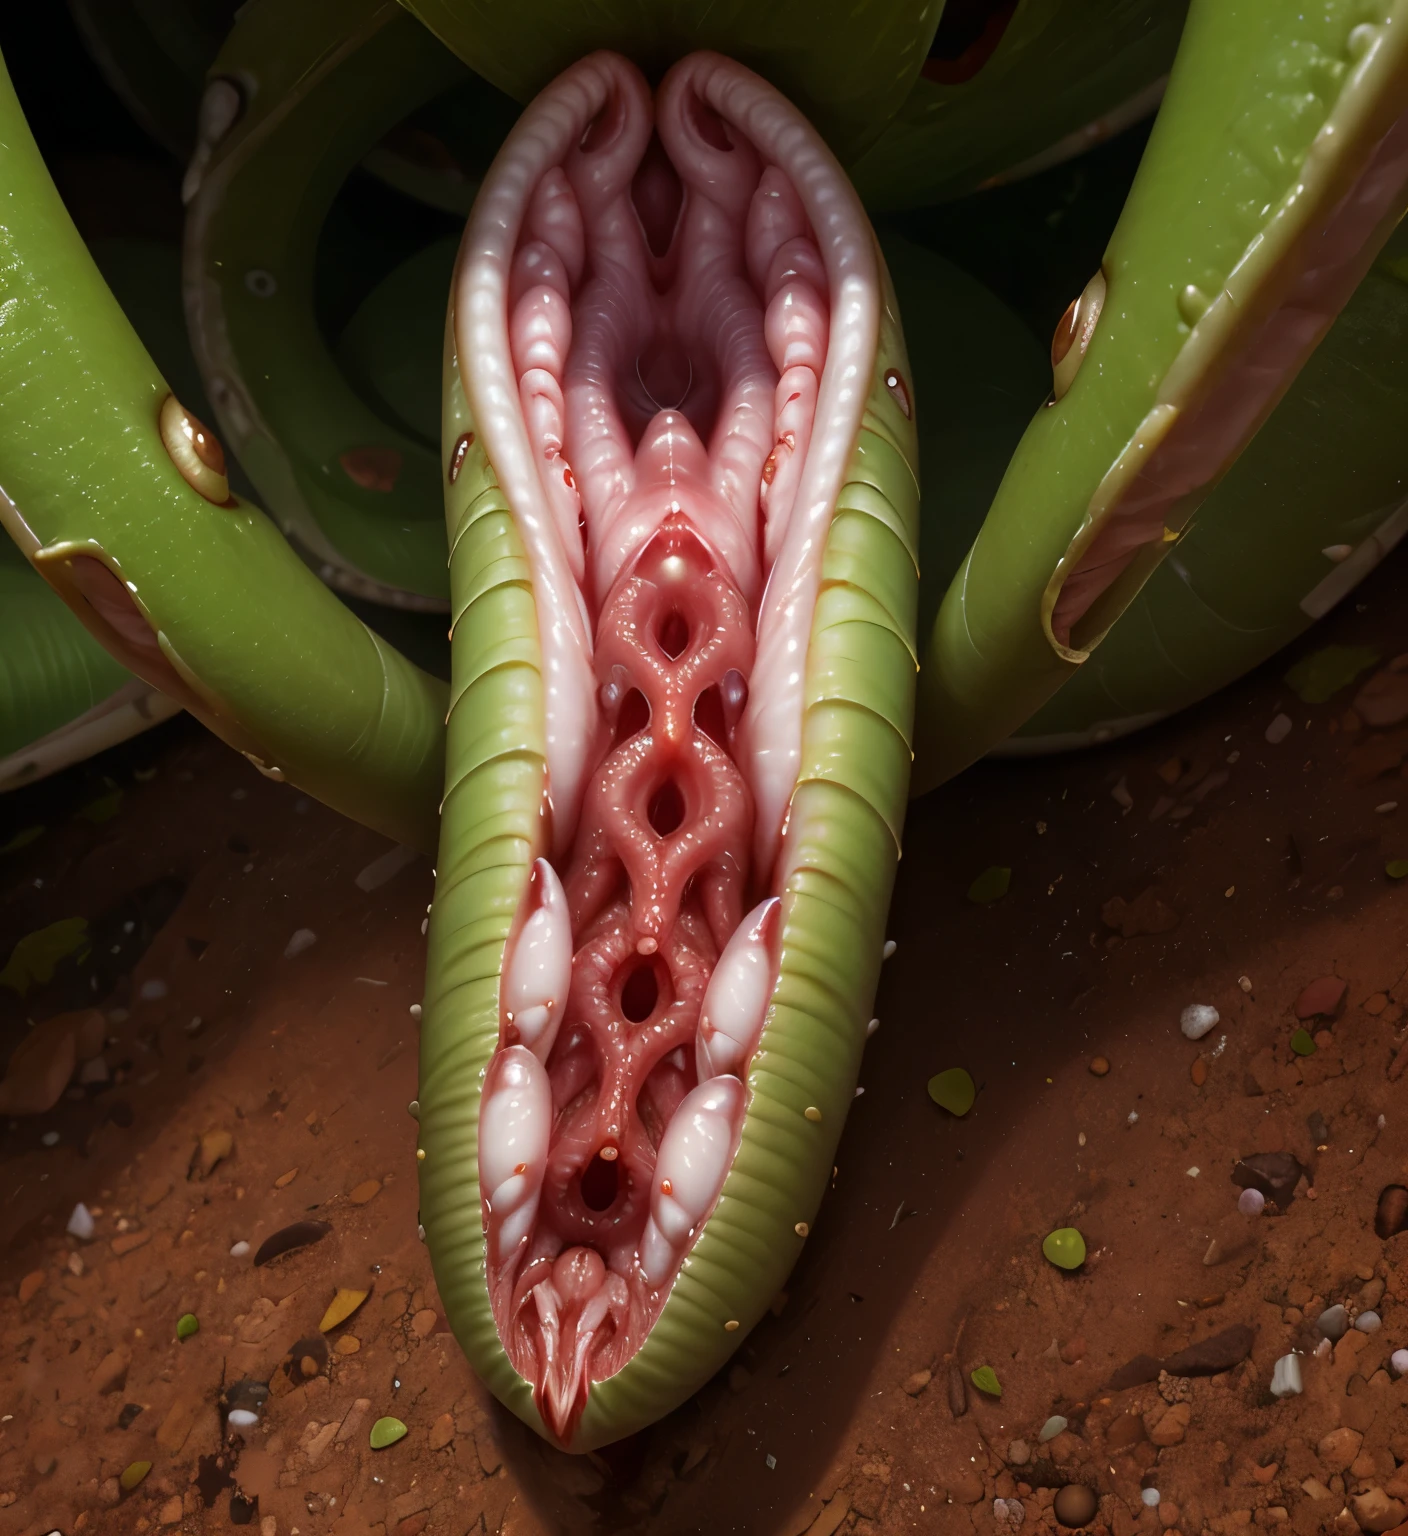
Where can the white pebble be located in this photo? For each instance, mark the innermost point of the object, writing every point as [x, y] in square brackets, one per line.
[1056, 1423]
[80, 1224]
[889, 949]
[1278, 730]
[242, 1418]
[1197, 1019]
[1368, 1322]
[49, 1139]
[1399, 1361]
[153, 990]
[1324, 1349]
[415, 1010]
[420, 1233]
[1150, 1498]
[303, 939]
[1251, 1202]
[771, 1461]
[75, 1264]
[871, 1028]
[1009, 1513]
[1285, 1378]
[1194, 1172]
[1133, 1117]
[239, 1250]
[1245, 983]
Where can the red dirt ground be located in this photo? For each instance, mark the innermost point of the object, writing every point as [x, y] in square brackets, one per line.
[926, 1255]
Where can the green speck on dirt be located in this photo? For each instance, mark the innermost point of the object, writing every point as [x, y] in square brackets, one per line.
[1319, 676]
[1065, 1247]
[985, 1380]
[187, 1326]
[952, 1090]
[991, 885]
[33, 959]
[133, 1474]
[387, 1432]
[1302, 1044]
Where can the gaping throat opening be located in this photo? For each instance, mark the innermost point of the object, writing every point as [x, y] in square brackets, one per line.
[665, 319]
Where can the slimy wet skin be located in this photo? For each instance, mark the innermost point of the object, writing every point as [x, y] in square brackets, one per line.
[1277, 168]
[678, 367]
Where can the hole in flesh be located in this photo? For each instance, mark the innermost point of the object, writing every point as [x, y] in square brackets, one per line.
[709, 715]
[673, 634]
[666, 808]
[600, 1183]
[634, 717]
[968, 34]
[640, 994]
[707, 123]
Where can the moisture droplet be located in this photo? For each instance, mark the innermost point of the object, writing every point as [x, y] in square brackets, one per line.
[1192, 304]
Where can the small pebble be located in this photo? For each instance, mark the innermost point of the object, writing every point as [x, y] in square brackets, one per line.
[242, 1418]
[303, 939]
[1399, 1361]
[1197, 1019]
[889, 949]
[1278, 730]
[153, 990]
[1150, 1498]
[1133, 1117]
[1387, 808]
[49, 1139]
[1333, 1322]
[1285, 1377]
[1245, 983]
[1075, 1505]
[1056, 1423]
[1368, 1322]
[1099, 1066]
[80, 1224]
[1251, 1202]
[415, 1010]
[239, 1250]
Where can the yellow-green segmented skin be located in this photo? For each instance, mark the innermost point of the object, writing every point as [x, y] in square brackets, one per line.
[846, 819]
[267, 656]
[1270, 113]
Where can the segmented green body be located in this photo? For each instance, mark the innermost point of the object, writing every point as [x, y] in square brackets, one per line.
[846, 819]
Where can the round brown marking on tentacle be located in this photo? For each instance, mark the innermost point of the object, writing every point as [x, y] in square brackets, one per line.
[463, 444]
[195, 451]
[1073, 333]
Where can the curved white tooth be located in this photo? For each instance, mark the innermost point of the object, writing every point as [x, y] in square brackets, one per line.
[736, 998]
[539, 970]
[515, 1122]
[694, 1155]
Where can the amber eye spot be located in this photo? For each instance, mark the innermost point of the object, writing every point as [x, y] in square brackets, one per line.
[195, 451]
[894, 382]
[1073, 333]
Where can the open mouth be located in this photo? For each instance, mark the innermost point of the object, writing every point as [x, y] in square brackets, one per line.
[666, 314]
[1209, 408]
